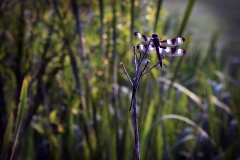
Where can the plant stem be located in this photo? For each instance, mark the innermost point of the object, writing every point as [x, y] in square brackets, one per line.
[135, 115]
[134, 83]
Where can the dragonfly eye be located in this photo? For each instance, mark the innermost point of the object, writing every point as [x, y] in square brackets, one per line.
[154, 35]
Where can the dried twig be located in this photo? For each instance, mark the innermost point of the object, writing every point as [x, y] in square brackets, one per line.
[139, 73]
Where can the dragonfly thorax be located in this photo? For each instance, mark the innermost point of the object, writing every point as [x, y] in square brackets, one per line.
[155, 35]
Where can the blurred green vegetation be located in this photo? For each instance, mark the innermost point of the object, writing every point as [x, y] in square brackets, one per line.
[63, 94]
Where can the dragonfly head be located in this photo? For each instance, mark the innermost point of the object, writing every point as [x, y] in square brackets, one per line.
[155, 35]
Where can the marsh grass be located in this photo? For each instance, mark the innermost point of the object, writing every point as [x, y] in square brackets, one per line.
[78, 95]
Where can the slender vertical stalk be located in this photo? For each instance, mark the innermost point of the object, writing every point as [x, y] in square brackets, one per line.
[132, 20]
[114, 44]
[186, 16]
[180, 32]
[115, 76]
[157, 15]
[102, 24]
[70, 51]
[3, 109]
[19, 55]
[20, 114]
[79, 31]
[139, 73]
[135, 121]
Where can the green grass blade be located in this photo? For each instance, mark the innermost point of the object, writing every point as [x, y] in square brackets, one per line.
[190, 94]
[211, 53]
[21, 105]
[157, 15]
[190, 122]
[159, 143]
[21, 112]
[221, 105]
[147, 125]
[7, 137]
[211, 110]
[186, 16]
[184, 139]
[179, 63]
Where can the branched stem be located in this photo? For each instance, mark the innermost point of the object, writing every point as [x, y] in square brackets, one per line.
[139, 73]
[142, 73]
[142, 58]
[144, 67]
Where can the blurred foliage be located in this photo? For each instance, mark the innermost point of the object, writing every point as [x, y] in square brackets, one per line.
[74, 101]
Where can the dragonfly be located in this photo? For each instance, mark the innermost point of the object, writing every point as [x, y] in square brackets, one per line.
[160, 47]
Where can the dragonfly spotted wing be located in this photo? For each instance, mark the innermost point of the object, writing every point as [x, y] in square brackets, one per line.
[160, 47]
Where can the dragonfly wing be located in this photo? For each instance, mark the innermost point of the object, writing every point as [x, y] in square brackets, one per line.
[142, 37]
[145, 48]
[172, 42]
[168, 51]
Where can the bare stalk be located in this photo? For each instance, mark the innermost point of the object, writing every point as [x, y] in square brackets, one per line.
[138, 74]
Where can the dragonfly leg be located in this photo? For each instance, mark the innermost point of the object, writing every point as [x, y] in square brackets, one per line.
[161, 61]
